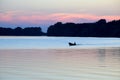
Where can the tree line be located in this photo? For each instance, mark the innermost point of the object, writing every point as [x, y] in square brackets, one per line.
[100, 28]
[28, 31]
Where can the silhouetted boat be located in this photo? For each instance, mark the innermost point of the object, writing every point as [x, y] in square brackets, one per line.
[72, 44]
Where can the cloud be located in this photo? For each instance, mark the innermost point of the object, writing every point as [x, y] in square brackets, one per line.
[19, 17]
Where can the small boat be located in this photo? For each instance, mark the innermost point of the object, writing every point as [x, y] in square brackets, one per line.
[72, 44]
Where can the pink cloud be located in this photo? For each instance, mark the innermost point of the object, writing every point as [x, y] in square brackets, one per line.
[4, 17]
[71, 17]
[38, 18]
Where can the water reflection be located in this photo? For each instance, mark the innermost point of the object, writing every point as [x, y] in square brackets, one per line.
[115, 54]
[60, 64]
[101, 55]
[108, 57]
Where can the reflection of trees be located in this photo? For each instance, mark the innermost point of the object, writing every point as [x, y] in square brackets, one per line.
[115, 53]
[112, 54]
[101, 55]
[119, 53]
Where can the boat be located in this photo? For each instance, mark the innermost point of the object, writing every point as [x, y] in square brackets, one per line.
[72, 44]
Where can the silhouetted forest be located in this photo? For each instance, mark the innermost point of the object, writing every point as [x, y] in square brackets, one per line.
[29, 31]
[100, 28]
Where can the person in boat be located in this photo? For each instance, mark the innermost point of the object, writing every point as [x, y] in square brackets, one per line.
[72, 44]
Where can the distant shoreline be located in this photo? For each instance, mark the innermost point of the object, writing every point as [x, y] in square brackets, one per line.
[100, 28]
[52, 36]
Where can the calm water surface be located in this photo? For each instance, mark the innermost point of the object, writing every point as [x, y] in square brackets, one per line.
[51, 58]
[56, 42]
[60, 64]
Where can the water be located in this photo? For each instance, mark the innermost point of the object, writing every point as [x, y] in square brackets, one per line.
[60, 64]
[53, 42]
[50, 58]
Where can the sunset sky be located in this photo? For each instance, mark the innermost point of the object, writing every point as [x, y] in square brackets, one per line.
[43, 13]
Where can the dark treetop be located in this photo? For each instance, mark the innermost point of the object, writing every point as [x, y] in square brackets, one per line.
[29, 31]
[97, 29]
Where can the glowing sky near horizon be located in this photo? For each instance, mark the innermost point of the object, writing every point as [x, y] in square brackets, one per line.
[47, 12]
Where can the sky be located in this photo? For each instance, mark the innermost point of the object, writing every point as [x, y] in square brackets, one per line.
[43, 13]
